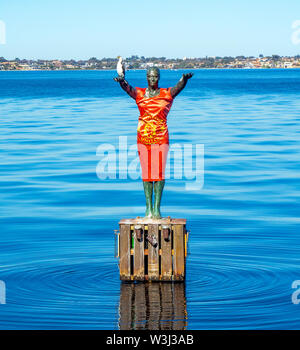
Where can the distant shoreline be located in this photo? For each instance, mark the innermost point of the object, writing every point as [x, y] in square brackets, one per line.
[139, 69]
[163, 63]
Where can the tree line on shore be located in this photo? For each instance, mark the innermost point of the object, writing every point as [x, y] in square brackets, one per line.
[141, 62]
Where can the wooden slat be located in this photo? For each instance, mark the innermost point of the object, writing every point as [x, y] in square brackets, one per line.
[178, 258]
[124, 252]
[153, 257]
[125, 318]
[140, 306]
[138, 259]
[166, 259]
[180, 313]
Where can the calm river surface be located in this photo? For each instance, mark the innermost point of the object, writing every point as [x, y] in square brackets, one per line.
[57, 217]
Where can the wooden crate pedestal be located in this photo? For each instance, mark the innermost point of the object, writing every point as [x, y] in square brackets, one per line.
[152, 249]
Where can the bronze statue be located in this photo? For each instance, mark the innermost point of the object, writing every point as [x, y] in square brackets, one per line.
[154, 104]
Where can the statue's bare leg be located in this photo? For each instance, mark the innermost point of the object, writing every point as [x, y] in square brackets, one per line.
[148, 189]
[158, 190]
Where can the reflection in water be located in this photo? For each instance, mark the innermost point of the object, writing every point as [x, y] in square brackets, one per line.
[152, 306]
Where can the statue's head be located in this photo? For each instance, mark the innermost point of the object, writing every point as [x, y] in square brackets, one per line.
[153, 75]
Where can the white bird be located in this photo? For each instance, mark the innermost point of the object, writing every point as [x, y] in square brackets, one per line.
[121, 67]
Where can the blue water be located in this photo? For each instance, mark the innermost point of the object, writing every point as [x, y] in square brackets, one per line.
[57, 217]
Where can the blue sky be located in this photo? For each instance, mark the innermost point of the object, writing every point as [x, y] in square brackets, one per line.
[80, 29]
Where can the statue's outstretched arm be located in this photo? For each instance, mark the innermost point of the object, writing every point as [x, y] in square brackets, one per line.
[131, 91]
[181, 84]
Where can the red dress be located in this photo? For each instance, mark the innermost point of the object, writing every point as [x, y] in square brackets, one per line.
[152, 133]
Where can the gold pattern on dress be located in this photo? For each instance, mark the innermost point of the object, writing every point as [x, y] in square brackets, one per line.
[150, 129]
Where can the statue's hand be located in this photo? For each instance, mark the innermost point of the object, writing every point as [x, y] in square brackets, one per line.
[119, 79]
[187, 76]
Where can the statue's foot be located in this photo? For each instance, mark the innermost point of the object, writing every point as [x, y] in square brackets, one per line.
[149, 213]
[156, 214]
